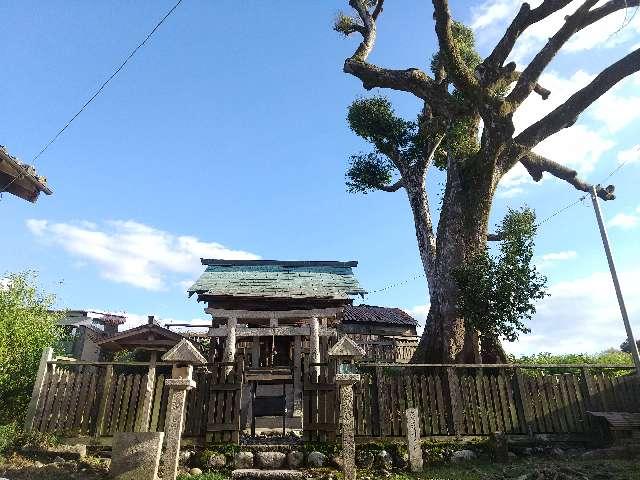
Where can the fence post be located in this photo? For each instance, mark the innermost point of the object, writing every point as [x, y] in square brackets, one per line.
[47, 356]
[102, 408]
[454, 395]
[150, 387]
[380, 403]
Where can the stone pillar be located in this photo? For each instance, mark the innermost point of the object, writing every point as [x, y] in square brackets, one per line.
[346, 382]
[229, 354]
[47, 355]
[145, 417]
[184, 355]
[314, 345]
[413, 439]
[180, 382]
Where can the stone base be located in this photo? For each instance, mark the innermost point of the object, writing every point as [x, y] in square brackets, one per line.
[136, 456]
[253, 474]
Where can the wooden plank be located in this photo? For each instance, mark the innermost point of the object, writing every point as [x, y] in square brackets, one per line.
[473, 400]
[429, 407]
[91, 405]
[441, 405]
[72, 403]
[117, 403]
[403, 404]
[566, 411]
[51, 396]
[497, 407]
[81, 405]
[592, 399]
[504, 403]
[602, 393]
[491, 411]
[235, 436]
[106, 394]
[482, 406]
[544, 404]
[134, 403]
[511, 400]
[368, 430]
[524, 402]
[74, 419]
[57, 418]
[455, 399]
[157, 400]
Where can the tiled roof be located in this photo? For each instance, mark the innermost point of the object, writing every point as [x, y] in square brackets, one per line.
[275, 278]
[374, 314]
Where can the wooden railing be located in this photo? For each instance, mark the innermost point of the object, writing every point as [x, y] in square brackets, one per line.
[478, 400]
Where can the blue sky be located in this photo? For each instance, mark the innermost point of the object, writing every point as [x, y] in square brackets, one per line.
[226, 136]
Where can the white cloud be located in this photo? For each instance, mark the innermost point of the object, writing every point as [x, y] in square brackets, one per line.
[510, 192]
[551, 259]
[581, 316]
[631, 155]
[131, 252]
[419, 312]
[624, 221]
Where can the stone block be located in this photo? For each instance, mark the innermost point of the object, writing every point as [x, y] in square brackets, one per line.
[270, 460]
[243, 460]
[136, 456]
[295, 459]
[413, 439]
[316, 459]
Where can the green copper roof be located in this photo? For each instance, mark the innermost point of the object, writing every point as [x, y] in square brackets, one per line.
[281, 279]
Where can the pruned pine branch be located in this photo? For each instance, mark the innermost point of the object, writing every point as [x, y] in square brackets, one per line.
[529, 78]
[536, 165]
[523, 20]
[567, 114]
[368, 28]
[462, 77]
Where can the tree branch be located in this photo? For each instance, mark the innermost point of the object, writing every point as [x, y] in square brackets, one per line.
[529, 77]
[536, 165]
[567, 114]
[462, 77]
[523, 20]
[394, 187]
[494, 237]
[426, 160]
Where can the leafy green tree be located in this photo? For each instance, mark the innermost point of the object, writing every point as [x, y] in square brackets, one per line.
[465, 127]
[497, 294]
[27, 327]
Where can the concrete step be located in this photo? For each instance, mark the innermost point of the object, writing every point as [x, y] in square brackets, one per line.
[254, 474]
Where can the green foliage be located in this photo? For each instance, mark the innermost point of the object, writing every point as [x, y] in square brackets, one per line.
[344, 23]
[607, 357]
[328, 448]
[497, 294]
[27, 327]
[625, 346]
[466, 44]
[367, 172]
[12, 438]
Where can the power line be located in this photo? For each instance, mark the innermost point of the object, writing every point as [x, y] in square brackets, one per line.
[106, 82]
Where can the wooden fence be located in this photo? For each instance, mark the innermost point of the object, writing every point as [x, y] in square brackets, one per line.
[320, 402]
[464, 400]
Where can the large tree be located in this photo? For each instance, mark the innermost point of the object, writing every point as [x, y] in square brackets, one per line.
[466, 128]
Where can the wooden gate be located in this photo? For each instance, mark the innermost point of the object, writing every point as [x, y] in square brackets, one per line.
[320, 402]
[223, 409]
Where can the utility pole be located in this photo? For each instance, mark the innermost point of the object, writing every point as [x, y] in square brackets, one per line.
[616, 282]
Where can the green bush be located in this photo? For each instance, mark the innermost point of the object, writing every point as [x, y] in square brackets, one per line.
[27, 327]
[12, 438]
[607, 357]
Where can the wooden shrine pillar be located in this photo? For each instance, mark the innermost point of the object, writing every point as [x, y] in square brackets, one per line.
[314, 345]
[297, 376]
[229, 354]
[255, 352]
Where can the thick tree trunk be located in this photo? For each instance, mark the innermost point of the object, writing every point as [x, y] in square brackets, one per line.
[462, 233]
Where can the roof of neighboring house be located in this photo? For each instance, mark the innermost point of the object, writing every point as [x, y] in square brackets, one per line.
[278, 279]
[374, 314]
[19, 178]
[105, 318]
[149, 335]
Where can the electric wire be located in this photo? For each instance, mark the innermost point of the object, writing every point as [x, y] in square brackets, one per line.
[106, 82]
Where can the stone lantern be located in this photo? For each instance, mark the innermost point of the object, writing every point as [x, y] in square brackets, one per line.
[346, 352]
